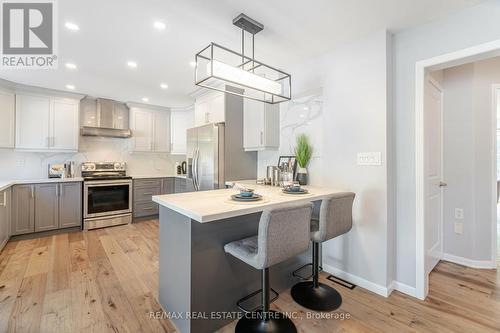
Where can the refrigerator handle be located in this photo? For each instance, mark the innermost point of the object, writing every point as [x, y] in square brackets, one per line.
[197, 164]
[195, 169]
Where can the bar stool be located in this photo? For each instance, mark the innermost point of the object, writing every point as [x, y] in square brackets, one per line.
[283, 233]
[335, 219]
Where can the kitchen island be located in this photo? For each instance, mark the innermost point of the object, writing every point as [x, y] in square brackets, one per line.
[199, 283]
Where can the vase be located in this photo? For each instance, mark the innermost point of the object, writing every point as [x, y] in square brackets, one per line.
[302, 176]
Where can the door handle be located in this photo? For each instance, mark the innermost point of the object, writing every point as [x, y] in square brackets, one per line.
[442, 184]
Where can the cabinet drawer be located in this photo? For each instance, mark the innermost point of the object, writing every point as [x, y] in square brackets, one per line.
[144, 194]
[147, 182]
[145, 209]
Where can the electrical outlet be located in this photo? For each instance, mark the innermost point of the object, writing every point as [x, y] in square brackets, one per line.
[459, 228]
[459, 213]
[370, 158]
[20, 163]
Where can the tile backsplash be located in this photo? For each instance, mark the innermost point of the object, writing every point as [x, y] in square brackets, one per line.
[27, 165]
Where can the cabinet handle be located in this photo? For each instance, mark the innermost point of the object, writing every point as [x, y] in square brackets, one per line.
[32, 191]
[148, 208]
[57, 190]
[261, 137]
[206, 117]
[4, 204]
[148, 193]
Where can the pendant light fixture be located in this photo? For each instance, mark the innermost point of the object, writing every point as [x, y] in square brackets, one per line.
[222, 69]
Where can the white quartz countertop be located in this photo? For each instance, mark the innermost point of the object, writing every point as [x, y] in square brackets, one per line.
[207, 206]
[5, 184]
[157, 176]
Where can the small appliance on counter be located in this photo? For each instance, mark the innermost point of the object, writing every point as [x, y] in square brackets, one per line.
[56, 170]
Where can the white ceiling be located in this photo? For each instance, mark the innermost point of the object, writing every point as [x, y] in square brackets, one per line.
[113, 32]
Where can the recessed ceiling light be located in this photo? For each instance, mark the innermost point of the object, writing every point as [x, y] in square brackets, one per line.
[145, 99]
[72, 26]
[164, 86]
[192, 64]
[160, 25]
[70, 87]
[132, 64]
[70, 65]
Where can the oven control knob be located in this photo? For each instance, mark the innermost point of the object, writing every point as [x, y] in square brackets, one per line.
[119, 166]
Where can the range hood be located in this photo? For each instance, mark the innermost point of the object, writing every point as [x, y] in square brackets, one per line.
[104, 117]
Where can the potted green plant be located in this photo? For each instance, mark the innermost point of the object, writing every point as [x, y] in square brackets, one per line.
[303, 154]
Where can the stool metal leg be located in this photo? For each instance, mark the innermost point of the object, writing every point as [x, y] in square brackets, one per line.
[313, 294]
[266, 320]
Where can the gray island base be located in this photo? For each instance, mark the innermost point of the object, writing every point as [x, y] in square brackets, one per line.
[199, 283]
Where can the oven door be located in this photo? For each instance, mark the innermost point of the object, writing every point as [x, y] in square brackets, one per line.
[105, 198]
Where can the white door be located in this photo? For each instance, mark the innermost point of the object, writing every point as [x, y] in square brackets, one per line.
[253, 124]
[64, 125]
[32, 122]
[7, 116]
[142, 130]
[162, 132]
[433, 175]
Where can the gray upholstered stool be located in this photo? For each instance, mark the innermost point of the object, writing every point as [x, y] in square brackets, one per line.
[283, 233]
[335, 219]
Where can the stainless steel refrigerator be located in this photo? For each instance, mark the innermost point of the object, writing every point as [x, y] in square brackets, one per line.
[215, 155]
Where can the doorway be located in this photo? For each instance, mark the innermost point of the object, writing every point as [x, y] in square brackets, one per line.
[423, 192]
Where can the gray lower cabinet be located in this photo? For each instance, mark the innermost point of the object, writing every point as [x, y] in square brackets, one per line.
[144, 189]
[46, 207]
[183, 185]
[4, 217]
[70, 205]
[43, 207]
[23, 210]
[167, 185]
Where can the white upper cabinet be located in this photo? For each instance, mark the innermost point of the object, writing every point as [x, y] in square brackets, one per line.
[32, 122]
[210, 108]
[7, 116]
[261, 125]
[150, 130]
[181, 121]
[64, 121]
[161, 132]
[46, 123]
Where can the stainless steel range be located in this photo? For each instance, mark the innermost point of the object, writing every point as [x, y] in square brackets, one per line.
[107, 194]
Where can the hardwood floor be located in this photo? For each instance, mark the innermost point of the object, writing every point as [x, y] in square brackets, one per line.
[107, 280]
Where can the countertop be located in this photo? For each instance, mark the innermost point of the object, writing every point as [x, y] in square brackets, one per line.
[5, 184]
[207, 206]
[158, 176]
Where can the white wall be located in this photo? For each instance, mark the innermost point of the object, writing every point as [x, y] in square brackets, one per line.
[467, 156]
[24, 165]
[354, 80]
[463, 29]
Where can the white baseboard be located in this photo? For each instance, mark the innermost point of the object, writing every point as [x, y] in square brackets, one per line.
[403, 288]
[469, 262]
[365, 284]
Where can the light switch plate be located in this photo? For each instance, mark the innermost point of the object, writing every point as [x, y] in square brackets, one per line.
[459, 228]
[370, 158]
[459, 213]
